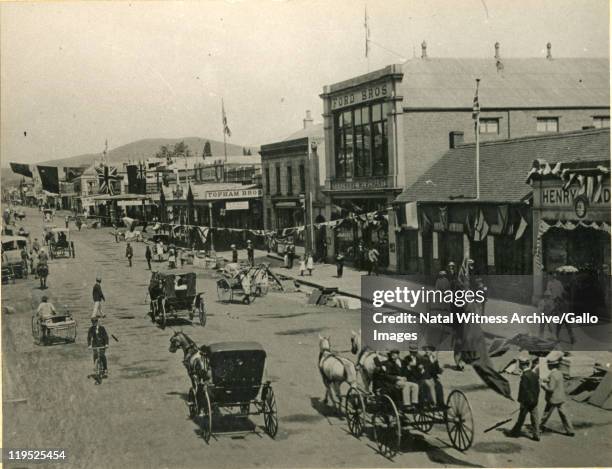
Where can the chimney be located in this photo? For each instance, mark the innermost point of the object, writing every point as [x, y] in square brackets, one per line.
[497, 56]
[549, 51]
[423, 50]
[307, 120]
[455, 138]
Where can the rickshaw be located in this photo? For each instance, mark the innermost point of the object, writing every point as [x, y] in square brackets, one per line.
[388, 419]
[61, 328]
[12, 264]
[60, 244]
[247, 282]
[174, 292]
[233, 387]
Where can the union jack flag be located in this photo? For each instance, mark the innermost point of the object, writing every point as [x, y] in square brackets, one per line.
[107, 174]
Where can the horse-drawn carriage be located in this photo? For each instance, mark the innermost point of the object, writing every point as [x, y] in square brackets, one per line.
[233, 386]
[60, 244]
[388, 418]
[60, 328]
[174, 292]
[13, 265]
[244, 283]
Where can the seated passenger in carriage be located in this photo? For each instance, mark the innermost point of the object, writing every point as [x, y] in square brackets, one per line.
[180, 284]
[430, 386]
[45, 311]
[389, 378]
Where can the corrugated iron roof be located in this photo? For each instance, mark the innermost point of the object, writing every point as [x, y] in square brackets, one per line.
[520, 83]
[503, 166]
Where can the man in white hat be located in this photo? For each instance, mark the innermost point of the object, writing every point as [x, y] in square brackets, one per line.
[555, 393]
[528, 396]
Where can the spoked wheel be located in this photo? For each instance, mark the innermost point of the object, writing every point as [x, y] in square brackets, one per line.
[206, 414]
[355, 411]
[192, 404]
[270, 413]
[224, 291]
[459, 421]
[202, 312]
[153, 310]
[163, 314]
[423, 420]
[36, 331]
[387, 427]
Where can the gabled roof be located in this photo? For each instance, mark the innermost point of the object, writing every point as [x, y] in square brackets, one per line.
[519, 83]
[503, 166]
[312, 131]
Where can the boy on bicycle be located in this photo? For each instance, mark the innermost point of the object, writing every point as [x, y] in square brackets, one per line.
[97, 338]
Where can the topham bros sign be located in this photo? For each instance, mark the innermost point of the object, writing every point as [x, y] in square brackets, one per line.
[234, 194]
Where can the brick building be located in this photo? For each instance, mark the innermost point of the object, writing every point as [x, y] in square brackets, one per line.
[292, 176]
[384, 129]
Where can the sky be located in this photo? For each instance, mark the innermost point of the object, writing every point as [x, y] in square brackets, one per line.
[73, 74]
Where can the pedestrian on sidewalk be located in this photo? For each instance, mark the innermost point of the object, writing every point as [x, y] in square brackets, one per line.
[528, 396]
[250, 253]
[129, 253]
[291, 252]
[67, 220]
[310, 263]
[234, 253]
[339, 264]
[148, 256]
[302, 265]
[373, 261]
[286, 257]
[98, 298]
[361, 256]
[555, 393]
[116, 233]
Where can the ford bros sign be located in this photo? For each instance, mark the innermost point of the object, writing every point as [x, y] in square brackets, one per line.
[360, 96]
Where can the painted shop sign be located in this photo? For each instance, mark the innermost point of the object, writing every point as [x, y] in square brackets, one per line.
[557, 197]
[359, 185]
[240, 205]
[361, 95]
[234, 194]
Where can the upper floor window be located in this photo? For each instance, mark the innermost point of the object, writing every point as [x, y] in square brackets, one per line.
[302, 179]
[601, 121]
[548, 124]
[489, 126]
[289, 180]
[278, 180]
[361, 142]
[267, 180]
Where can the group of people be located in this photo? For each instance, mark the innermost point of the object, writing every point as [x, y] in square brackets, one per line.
[250, 252]
[413, 381]
[368, 258]
[36, 261]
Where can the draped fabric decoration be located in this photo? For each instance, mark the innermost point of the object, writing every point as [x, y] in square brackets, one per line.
[565, 225]
[203, 233]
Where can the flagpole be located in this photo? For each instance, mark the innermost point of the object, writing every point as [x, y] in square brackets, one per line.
[477, 132]
[224, 127]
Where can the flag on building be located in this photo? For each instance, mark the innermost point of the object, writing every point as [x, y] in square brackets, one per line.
[23, 169]
[49, 178]
[367, 32]
[73, 172]
[481, 227]
[226, 129]
[132, 175]
[476, 104]
[106, 176]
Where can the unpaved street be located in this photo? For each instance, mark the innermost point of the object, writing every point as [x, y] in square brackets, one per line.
[138, 416]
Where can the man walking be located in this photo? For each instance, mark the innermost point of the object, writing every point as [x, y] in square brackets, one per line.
[148, 256]
[373, 261]
[528, 396]
[250, 253]
[129, 253]
[555, 393]
[98, 298]
[234, 253]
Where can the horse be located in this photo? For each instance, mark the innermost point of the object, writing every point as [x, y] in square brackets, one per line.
[194, 360]
[334, 371]
[365, 359]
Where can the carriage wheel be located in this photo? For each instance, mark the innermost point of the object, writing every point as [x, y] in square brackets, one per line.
[270, 413]
[224, 292]
[459, 421]
[192, 403]
[206, 413]
[354, 409]
[202, 312]
[36, 330]
[423, 420]
[387, 427]
[153, 309]
[162, 314]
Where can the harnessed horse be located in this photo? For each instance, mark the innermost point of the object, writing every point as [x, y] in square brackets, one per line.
[365, 359]
[194, 359]
[334, 371]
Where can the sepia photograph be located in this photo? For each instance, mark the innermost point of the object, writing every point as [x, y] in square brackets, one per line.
[305, 234]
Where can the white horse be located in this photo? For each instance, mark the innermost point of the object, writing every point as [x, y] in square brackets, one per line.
[334, 371]
[365, 359]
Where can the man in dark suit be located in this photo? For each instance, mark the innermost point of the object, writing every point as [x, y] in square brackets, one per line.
[528, 396]
[97, 339]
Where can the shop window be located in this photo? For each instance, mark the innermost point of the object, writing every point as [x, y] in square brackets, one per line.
[489, 126]
[361, 142]
[548, 124]
[302, 179]
[600, 122]
[289, 180]
[267, 180]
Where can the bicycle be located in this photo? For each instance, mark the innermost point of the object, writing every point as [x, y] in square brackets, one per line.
[99, 373]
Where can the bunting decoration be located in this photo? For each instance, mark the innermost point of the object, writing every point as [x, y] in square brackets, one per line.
[49, 178]
[481, 227]
[23, 169]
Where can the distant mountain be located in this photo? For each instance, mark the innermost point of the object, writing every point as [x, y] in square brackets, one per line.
[139, 150]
